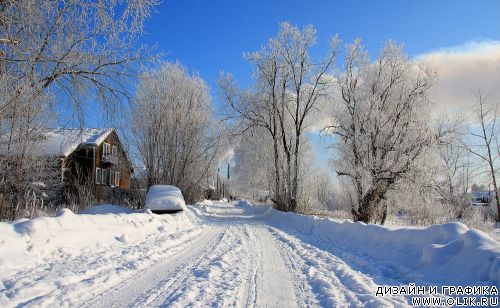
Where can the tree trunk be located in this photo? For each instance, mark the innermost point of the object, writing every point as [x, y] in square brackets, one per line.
[278, 197]
[495, 189]
[1, 207]
[295, 180]
[369, 205]
[384, 214]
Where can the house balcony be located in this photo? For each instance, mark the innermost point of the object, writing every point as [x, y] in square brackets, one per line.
[111, 159]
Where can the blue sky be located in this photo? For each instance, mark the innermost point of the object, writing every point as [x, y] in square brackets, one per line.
[210, 36]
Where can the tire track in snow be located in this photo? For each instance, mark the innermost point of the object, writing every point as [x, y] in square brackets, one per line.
[303, 292]
[155, 280]
[250, 291]
[245, 269]
[268, 282]
[220, 279]
[172, 291]
[69, 279]
[275, 287]
[332, 281]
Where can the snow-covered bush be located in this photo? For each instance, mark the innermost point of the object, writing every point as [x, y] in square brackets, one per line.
[479, 218]
[173, 130]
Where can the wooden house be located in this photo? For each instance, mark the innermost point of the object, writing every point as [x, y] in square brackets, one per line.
[89, 156]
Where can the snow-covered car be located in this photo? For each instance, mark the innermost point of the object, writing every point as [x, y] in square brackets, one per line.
[163, 199]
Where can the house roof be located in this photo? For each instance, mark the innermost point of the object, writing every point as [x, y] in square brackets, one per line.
[63, 141]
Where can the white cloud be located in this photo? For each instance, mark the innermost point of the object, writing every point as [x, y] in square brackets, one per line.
[462, 70]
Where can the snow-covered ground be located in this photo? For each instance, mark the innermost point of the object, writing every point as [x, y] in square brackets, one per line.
[230, 254]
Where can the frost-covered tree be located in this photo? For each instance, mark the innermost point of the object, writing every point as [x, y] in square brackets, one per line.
[176, 136]
[67, 54]
[252, 173]
[484, 143]
[454, 167]
[323, 191]
[288, 86]
[80, 49]
[380, 123]
[25, 177]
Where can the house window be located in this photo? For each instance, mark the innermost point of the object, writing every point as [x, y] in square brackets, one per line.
[105, 174]
[104, 179]
[114, 150]
[98, 175]
[105, 149]
[111, 178]
[117, 178]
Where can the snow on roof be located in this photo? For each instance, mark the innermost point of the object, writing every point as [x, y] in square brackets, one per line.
[63, 141]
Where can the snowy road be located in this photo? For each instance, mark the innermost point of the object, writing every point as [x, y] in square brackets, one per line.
[240, 260]
[223, 255]
[235, 262]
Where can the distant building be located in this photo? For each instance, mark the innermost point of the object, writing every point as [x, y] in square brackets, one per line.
[480, 197]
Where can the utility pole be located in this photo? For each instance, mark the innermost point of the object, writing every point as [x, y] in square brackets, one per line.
[217, 187]
[228, 168]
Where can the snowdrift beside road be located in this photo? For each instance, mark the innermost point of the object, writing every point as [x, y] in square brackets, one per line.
[445, 254]
[30, 241]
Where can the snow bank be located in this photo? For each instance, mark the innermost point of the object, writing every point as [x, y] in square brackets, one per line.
[27, 242]
[165, 198]
[449, 253]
